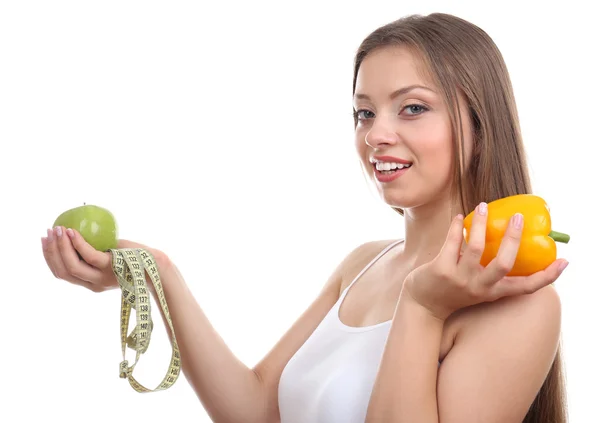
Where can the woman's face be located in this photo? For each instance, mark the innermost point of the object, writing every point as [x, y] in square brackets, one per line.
[404, 128]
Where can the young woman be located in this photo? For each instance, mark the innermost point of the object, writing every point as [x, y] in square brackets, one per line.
[410, 330]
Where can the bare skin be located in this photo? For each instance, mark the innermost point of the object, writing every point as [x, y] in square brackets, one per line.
[495, 337]
[229, 390]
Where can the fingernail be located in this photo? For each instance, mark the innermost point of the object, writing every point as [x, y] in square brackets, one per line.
[44, 242]
[70, 233]
[482, 209]
[517, 220]
[563, 266]
[50, 235]
[58, 231]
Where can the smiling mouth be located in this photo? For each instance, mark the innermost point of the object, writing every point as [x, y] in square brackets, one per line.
[390, 168]
[388, 172]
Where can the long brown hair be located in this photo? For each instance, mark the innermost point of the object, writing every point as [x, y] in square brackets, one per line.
[461, 59]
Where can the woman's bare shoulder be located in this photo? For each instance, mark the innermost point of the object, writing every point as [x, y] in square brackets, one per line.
[512, 321]
[544, 303]
[504, 349]
[358, 258]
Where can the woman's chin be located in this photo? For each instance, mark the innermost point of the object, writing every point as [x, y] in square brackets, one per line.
[399, 202]
[406, 202]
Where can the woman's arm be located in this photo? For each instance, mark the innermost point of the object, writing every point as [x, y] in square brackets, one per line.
[498, 361]
[492, 373]
[405, 387]
[229, 390]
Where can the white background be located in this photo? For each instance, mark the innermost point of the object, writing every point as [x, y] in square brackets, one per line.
[222, 134]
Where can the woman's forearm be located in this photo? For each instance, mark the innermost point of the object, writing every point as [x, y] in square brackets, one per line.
[227, 388]
[405, 388]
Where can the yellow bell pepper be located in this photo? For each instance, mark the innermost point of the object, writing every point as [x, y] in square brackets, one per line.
[538, 242]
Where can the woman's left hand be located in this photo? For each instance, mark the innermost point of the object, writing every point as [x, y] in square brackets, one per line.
[454, 280]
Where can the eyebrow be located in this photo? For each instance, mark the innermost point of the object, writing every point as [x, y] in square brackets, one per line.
[401, 91]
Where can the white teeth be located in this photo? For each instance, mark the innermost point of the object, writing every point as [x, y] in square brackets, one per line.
[390, 166]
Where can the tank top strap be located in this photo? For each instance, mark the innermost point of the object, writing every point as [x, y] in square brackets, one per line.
[371, 263]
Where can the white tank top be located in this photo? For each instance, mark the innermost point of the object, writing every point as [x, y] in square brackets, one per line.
[330, 378]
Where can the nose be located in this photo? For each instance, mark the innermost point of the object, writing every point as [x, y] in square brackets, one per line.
[380, 135]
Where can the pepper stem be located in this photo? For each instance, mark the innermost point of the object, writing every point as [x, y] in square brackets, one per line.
[559, 237]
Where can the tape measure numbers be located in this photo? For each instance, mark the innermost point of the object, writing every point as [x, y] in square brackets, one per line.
[129, 266]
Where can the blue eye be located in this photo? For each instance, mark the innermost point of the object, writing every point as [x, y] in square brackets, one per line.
[418, 107]
[363, 114]
[414, 110]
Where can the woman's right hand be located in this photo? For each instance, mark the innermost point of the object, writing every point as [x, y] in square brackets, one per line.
[94, 272]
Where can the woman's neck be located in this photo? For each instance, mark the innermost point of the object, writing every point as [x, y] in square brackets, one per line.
[426, 229]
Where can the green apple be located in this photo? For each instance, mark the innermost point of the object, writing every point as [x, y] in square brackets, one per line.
[96, 225]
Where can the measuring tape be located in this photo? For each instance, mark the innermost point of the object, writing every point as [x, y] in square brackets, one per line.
[129, 266]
